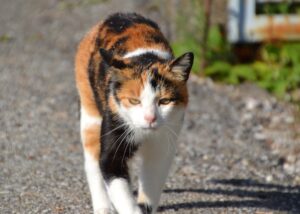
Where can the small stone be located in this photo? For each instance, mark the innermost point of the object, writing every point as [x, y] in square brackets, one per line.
[289, 120]
[289, 168]
[297, 179]
[245, 162]
[205, 157]
[260, 136]
[269, 178]
[291, 158]
[251, 104]
[189, 170]
[247, 117]
[267, 106]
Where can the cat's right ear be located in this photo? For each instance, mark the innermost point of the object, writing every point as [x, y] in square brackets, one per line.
[181, 67]
[107, 56]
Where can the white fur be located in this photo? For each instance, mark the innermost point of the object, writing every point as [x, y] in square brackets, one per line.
[141, 51]
[122, 198]
[87, 120]
[100, 199]
[135, 115]
[158, 143]
[157, 153]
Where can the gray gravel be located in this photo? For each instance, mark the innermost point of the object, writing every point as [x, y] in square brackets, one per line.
[239, 150]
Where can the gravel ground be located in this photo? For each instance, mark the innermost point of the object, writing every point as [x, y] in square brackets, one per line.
[239, 150]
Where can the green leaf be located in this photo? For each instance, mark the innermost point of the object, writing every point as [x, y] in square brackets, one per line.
[244, 72]
[279, 88]
[220, 69]
[215, 39]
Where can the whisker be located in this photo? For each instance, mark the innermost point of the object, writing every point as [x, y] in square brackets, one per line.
[169, 143]
[175, 136]
[129, 144]
[125, 151]
[174, 133]
[169, 123]
[173, 144]
[126, 133]
[113, 130]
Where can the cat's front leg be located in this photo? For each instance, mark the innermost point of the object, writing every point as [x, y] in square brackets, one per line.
[100, 199]
[121, 196]
[90, 137]
[156, 162]
[115, 171]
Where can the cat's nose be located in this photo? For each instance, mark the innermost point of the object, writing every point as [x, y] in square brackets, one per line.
[150, 118]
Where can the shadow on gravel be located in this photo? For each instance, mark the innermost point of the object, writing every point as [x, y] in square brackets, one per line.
[250, 192]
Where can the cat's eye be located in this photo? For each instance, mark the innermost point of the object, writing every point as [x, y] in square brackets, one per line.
[164, 101]
[134, 101]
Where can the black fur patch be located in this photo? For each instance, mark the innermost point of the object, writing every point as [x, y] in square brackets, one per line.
[102, 70]
[117, 46]
[119, 22]
[158, 39]
[153, 83]
[145, 208]
[108, 59]
[158, 80]
[146, 60]
[118, 64]
[93, 81]
[115, 87]
[98, 42]
[116, 150]
[161, 79]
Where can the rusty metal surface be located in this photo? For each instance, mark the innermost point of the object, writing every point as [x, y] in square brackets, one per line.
[245, 26]
[277, 28]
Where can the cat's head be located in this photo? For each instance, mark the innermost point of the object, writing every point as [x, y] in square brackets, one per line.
[151, 96]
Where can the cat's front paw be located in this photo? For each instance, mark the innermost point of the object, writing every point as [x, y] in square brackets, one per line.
[105, 211]
[145, 208]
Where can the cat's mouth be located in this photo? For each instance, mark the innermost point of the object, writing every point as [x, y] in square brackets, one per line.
[147, 127]
[150, 127]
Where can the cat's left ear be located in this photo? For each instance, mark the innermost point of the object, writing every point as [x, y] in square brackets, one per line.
[181, 67]
[107, 56]
[109, 59]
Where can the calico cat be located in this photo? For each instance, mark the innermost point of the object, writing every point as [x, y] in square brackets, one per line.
[133, 96]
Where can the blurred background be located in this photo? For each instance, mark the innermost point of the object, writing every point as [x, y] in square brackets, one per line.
[240, 144]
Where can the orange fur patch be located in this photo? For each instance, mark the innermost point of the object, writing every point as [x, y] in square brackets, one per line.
[91, 140]
[84, 52]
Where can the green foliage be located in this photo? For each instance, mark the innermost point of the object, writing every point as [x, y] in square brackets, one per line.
[188, 45]
[277, 69]
[4, 38]
[279, 7]
[189, 31]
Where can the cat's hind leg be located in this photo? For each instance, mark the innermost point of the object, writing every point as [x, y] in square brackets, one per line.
[90, 136]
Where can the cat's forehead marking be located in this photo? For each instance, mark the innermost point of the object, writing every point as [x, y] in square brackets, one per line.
[148, 93]
[140, 51]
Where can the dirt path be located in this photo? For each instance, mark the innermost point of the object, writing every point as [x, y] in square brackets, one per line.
[237, 151]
